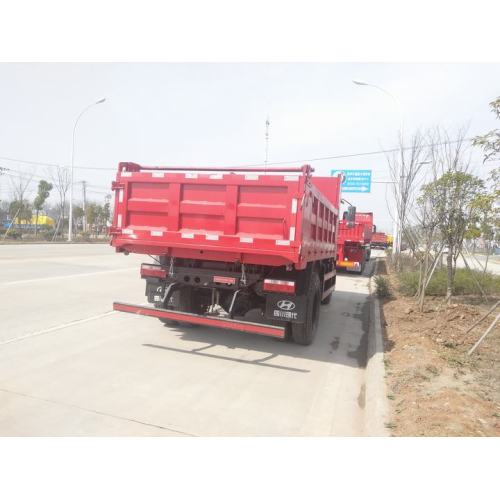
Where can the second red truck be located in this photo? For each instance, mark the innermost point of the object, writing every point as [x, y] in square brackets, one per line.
[355, 233]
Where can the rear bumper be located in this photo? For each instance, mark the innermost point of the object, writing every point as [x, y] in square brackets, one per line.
[197, 319]
[349, 265]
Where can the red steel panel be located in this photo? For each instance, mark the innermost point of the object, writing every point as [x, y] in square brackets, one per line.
[366, 218]
[352, 232]
[379, 238]
[257, 218]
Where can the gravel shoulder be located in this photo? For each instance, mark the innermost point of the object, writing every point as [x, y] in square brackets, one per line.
[434, 388]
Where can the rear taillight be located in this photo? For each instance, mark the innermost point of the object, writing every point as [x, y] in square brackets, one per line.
[153, 271]
[279, 286]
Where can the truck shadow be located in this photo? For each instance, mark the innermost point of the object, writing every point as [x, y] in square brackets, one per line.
[342, 338]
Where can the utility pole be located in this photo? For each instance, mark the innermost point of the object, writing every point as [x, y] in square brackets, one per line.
[84, 194]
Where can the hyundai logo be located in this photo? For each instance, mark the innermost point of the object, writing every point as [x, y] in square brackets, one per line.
[286, 305]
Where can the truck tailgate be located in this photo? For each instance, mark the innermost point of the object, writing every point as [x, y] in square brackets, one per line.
[221, 216]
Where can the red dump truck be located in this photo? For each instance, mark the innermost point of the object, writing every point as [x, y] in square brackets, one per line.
[355, 233]
[366, 218]
[379, 240]
[228, 242]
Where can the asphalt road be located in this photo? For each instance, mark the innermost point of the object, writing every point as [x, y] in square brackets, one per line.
[71, 366]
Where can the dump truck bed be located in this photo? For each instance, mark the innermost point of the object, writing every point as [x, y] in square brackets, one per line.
[379, 238]
[252, 217]
[354, 232]
[366, 218]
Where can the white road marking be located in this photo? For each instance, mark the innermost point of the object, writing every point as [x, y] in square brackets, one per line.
[60, 327]
[35, 280]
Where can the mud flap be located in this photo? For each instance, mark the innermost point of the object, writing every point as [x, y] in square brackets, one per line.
[282, 307]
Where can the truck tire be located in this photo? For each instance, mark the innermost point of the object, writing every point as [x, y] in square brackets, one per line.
[303, 333]
[327, 299]
[362, 268]
[186, 304]
[167, 322]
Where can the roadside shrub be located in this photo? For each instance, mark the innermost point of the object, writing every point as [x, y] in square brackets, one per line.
[465, 284]
[14, 234]
[408, 282]
[48, 235]
[407, 262]
[382, 286]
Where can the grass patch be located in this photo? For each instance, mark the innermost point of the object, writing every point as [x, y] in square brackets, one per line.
[382, 286]
[465, 284]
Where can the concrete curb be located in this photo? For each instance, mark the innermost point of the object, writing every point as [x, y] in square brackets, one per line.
[376, 407]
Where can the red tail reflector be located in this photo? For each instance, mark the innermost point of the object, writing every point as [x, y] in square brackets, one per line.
[279, 286]
[226, 280]
[153, 271]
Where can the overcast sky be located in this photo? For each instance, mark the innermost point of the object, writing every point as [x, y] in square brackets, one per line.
[214, 114]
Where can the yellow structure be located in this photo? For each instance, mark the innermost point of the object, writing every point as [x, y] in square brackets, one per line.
[389, 239]
[43, 220]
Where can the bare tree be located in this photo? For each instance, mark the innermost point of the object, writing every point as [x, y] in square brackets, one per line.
[20, 182]
[405, 169]
[449, 152]
[61, 179]
[428, 220]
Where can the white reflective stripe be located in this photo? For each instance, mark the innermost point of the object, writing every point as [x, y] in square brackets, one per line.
[126, 174]
[246, 240]
[120, 195]
[187, 235]
[291, 177]
[215, 176]
[191, 176]
[214, 237]
[128, 231]
[283, 242]
[251, 177]
[156, 233]
[157, 174]
[279, 282]
[119, 220]
[292, 234]
[294, 205]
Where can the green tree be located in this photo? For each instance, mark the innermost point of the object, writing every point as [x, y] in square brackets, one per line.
[44, 189]
[490, 142]
[78, 213]
[453, 201]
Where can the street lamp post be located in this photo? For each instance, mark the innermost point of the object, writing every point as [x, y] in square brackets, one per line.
[70, 222]
[397, 228]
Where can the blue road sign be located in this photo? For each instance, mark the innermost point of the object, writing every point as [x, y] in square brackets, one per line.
[355, 181]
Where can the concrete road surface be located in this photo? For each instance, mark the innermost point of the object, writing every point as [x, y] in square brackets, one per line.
[70, 366]
[478, 261]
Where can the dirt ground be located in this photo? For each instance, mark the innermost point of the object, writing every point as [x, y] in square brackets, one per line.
[434, 387]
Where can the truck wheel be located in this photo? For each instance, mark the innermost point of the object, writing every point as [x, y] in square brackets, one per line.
[168, 322]
[327, 300]
[362, 268]
[303, 333]
[187, 303]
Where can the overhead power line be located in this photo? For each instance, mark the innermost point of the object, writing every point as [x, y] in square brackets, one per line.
[247, 165]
